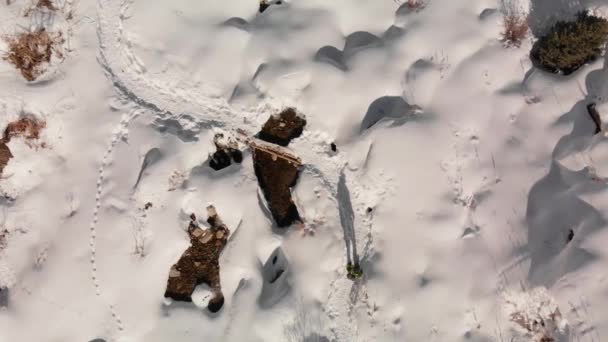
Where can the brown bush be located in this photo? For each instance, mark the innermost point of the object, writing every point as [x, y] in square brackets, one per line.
[515, 28]
[30, 51]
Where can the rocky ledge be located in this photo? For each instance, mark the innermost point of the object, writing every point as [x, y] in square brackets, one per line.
[277, 172]
[200, 262]
[282, 128]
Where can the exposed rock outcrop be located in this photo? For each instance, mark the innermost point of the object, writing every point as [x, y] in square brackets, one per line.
[200, 262]
[282, 128]
[277, 171]
[227, 150]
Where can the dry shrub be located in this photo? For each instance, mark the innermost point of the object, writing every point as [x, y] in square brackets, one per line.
[30, 51]
[27, 127]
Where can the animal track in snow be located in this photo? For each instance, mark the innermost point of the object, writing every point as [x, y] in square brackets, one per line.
[119, 132]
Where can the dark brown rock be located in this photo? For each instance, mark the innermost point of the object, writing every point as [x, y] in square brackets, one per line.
[226, 152]
[282, 128]
[200, 262]
[220, 160]
[277, 172]
[216, 303]
[236, 155]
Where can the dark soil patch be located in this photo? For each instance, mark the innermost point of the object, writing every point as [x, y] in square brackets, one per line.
[282, 128]
[30, 51]
[276, 174]
[200, 262]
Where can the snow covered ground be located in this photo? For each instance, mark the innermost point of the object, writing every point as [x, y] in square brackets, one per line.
[468, 184]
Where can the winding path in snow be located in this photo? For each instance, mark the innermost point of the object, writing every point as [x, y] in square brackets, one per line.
[116, 136]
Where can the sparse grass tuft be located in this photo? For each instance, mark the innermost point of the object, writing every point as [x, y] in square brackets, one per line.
[569, 45]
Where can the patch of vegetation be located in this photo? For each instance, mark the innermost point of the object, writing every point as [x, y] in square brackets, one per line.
[569, 45]
[31, 51]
